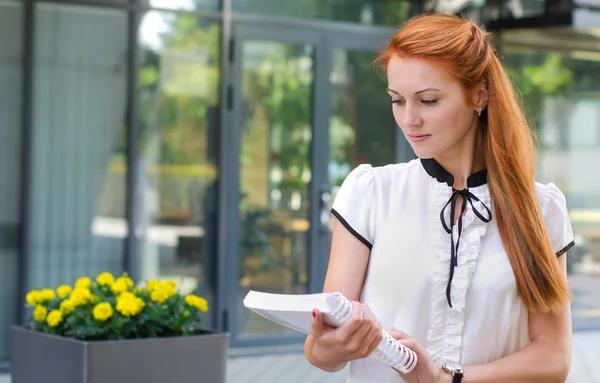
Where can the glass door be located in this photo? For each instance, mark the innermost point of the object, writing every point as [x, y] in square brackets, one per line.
[361, 125]
[307, 106]
[273, 116]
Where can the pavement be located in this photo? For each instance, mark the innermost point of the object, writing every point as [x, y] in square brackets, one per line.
[293, 367]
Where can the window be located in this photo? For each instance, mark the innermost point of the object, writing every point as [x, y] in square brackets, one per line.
[10, 165]
[78, 156]
[354, 11]
[561, 93]
[178, 94]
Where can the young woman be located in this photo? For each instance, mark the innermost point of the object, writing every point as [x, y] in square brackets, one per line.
[460, 254]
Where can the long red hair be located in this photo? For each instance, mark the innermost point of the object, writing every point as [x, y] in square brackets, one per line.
[463, 48]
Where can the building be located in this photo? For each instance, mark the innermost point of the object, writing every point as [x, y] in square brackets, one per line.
[203, 140]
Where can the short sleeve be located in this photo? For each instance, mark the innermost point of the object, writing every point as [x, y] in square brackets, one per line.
[557, 220]
[353, 205]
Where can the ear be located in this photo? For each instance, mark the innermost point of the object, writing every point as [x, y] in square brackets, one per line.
[480, 96]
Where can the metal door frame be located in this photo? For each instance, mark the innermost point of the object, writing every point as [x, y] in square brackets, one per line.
[324, 36]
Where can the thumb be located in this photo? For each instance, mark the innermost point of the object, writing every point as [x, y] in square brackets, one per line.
[317, 325]
[395, 333]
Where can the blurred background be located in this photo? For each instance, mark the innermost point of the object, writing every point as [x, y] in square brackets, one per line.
[204, 140]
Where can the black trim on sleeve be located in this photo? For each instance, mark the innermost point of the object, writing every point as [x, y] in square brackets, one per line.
[350, 229]
[565, 249]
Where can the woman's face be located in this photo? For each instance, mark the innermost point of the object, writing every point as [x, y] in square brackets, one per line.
[430, 108]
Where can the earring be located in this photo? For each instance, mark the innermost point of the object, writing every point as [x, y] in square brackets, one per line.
[479, 112]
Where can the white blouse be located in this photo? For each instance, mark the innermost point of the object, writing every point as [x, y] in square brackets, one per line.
[396, 211]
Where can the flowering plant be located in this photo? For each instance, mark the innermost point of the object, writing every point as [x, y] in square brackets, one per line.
[109, 308]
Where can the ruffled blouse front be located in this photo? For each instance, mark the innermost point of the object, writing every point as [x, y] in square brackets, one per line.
[448, 283]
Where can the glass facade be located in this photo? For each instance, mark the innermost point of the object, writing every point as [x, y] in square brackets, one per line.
[366, 12]
[176, 184]
[190, 148]
[78, 188]
[275, 172]
[11, 78]
[561, 92]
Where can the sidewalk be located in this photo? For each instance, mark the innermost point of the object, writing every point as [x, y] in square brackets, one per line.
[585, 367]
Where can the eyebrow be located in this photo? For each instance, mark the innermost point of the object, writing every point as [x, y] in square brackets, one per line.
[417, 92]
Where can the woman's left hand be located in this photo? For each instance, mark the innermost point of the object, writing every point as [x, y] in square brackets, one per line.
[426, 370]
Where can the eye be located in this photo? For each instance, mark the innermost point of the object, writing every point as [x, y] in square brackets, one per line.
[429, 102]
[399, 102]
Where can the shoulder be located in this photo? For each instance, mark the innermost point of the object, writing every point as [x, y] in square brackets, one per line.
[548, 195]
[367, 176]
[556, 216]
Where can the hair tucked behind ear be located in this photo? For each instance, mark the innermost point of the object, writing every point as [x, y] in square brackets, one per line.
[463, 49]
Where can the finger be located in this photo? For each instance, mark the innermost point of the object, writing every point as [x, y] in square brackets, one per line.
[360, 340]
[372, 336]
[373, 340]
[317, 325]
[354, 322]
[396, 334]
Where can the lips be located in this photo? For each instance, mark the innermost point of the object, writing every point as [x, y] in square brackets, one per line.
[418, 137]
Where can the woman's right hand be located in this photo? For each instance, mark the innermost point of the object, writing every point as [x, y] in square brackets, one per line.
[357, 338]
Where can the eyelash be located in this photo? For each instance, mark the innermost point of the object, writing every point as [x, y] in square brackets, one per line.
[425, 102]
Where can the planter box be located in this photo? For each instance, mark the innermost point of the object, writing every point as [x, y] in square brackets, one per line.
[37, 357]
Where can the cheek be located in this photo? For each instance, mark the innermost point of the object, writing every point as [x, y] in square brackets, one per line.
[398, 115]
[448, 118]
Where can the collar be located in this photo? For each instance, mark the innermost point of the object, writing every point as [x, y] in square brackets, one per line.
[437, 171]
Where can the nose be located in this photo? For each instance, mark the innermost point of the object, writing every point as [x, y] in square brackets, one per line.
[411, 116]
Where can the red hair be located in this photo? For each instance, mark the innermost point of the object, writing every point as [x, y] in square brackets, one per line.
[463, 49]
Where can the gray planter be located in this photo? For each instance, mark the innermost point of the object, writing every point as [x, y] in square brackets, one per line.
[37, 357]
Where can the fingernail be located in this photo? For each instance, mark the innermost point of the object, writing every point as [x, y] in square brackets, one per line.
[314, 313]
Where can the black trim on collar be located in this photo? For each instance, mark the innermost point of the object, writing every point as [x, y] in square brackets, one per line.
[437, 171]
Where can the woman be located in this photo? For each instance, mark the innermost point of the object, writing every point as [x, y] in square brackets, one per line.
[488, 303]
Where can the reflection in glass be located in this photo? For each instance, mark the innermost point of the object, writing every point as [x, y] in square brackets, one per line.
[11, 54]
[185, 5]
[78, 155]
[362, 128]
[354, 11]
[562, 97]
[275, 172]
[178, 81]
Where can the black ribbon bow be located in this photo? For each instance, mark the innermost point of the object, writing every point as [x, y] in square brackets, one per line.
[468, 197]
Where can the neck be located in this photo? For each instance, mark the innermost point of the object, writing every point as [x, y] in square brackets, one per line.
[464, 160]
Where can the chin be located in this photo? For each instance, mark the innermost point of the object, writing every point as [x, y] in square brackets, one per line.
[424, 153]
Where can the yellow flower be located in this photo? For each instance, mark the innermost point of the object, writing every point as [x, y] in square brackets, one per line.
[152, 284]
[81, 296]
[39, 314]
[63, 291]
[84, 282]
[105, 279]
[128, 281]
[102, 311]
[171, 284]
[48, 295]
[197, 302]
[54, 318]
[34, 297]
[162, 291]
[67, 307]
[129, 305]
[119, 286]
